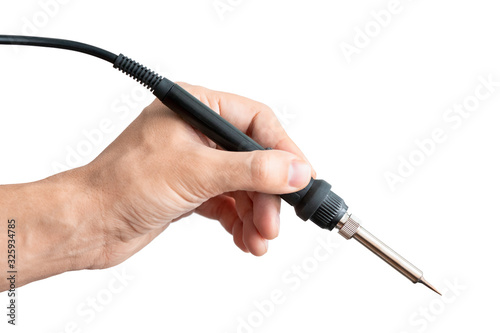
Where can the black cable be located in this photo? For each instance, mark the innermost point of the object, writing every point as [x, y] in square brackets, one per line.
[132, 68]
[59, 44]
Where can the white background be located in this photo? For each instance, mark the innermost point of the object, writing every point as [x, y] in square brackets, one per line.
[354, 119]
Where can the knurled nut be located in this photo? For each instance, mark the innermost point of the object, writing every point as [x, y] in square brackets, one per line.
[349, 228]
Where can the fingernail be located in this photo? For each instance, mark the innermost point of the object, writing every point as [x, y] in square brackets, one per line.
[277, 220]
[299, 173]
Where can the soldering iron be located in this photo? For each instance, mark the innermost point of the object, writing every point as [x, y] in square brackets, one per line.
[316, 202]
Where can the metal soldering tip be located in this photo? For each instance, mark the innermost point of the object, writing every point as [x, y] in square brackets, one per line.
[428, 285]
[349, 227]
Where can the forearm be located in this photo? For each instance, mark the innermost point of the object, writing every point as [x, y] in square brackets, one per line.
[55, 228]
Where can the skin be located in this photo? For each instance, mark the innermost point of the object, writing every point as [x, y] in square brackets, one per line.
[158, 171]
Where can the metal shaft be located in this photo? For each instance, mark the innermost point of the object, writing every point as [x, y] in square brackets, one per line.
[349, 227]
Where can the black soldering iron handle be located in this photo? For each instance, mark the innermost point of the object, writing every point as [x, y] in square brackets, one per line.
[206, 120]
[315, 202]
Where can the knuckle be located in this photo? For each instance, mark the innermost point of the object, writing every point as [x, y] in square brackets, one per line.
[261, 168]
[267, 109]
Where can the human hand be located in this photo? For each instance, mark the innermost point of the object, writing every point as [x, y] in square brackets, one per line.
[160, 170]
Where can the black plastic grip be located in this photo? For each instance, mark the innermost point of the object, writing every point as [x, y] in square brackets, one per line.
[207, 121]
[315, 202]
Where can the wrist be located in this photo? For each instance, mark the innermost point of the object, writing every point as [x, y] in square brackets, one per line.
[81, 225]
[57, 226]
[66, 232]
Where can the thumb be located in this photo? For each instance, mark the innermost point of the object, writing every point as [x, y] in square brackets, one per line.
[270, 171]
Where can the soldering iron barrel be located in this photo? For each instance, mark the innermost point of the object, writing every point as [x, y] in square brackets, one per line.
[349, 227]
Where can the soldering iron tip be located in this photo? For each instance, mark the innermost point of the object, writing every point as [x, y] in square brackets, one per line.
[428, 285]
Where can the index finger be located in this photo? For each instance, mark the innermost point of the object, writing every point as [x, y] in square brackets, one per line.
[255, 119]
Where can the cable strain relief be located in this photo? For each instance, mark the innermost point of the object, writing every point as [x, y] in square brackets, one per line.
[140, 73]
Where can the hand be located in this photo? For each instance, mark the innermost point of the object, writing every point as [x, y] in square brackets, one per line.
[156, 172]
[160, 170]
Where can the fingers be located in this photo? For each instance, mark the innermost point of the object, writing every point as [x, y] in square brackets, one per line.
[253, 240]
[253, 118]
[266, 210]
[223, 209]
[272, 172]
[252, 220]
[258, 121]
[238, 235]
[255, 243]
